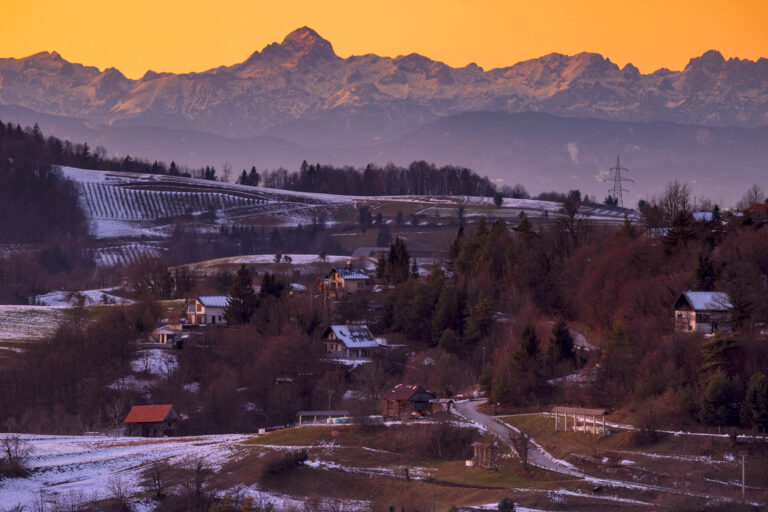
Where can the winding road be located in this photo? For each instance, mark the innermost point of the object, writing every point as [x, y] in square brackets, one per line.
[536, 455]
[539, 457]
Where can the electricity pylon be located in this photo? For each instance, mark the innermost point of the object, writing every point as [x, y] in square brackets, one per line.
[617, 191]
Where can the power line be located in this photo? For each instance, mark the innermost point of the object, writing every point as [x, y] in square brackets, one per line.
[617, 191]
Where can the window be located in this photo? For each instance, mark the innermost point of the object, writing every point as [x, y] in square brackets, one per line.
[199, 307]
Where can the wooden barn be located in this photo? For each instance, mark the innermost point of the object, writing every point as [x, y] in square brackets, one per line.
[151, 420]
[405, 400]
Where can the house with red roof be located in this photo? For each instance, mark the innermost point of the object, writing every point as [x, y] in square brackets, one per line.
[151, 420]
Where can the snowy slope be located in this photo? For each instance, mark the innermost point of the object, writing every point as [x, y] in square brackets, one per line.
[127, 205]
[89, 465]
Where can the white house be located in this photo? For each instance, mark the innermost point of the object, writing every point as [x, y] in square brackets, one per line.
[206, 310]
[341, 280]
[704, 312]
[349, 341]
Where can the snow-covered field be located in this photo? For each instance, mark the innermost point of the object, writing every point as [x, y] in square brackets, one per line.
[88, 298]
[89, 466]
[124, 254]
[121, 205]
[27, 323]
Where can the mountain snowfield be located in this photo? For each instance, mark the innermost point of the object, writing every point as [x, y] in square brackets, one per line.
[551, 123]
[302, 78]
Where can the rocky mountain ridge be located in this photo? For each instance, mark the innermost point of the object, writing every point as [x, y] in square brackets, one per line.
[301, 91]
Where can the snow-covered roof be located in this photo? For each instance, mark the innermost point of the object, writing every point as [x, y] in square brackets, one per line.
[351, 272]
[214, 301]
[708, 301]
[298, 287]
[354, 336]
[703, 216]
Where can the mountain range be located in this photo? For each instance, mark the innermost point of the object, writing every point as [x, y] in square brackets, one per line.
[298, 99]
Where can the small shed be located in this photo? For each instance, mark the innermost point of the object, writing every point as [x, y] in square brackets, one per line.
[151, 420]
[587, 417]
[166, 334]
[484, 454]
[404, 400]
[320, 417]
[703, 312]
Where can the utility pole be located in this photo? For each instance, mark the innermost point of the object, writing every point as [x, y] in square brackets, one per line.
[743, 478]
[616, 191]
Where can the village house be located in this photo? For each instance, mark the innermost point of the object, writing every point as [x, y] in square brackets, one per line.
[151, 420]
[341, 280]
[703, 312]
[406, 400]
[349, 341]
[206, 310]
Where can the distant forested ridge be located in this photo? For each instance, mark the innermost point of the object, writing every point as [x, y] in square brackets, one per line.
[419, 178]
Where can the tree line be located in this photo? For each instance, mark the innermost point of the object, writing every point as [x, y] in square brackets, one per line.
[419, 178]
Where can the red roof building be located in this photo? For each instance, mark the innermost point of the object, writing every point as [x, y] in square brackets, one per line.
[151, 420]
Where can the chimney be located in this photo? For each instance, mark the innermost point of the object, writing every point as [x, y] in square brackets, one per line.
[349, 264]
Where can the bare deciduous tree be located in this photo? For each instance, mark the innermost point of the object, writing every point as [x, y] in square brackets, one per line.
[674, 201]
[754, 195]
[15, 451]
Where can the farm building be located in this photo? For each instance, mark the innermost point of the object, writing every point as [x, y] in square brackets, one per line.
[349, 341]
[404, 400]
[151, 420]
[703, 312]
[321, 417]
[166, 334]
[341, 280]
[206, 310]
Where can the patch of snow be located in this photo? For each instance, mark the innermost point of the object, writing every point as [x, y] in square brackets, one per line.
[88, 465]
[155, 361]
[192, 387]
[89, 298]
[25, 323]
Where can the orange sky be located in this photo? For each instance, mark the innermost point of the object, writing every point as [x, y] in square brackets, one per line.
[179, 36]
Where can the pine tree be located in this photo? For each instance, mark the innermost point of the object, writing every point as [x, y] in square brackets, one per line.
[705, 271]
[242, 299]
[717, 217]
[524, 229]
[720, 353]
[529, 344]
[560, 344]
[720, 403]
[243, 179]
[271, 286]
[398, 262]
[253, 177]
[755, 408]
